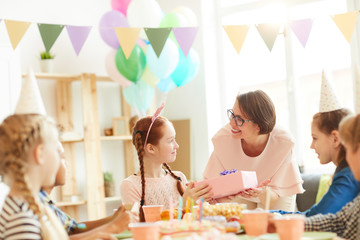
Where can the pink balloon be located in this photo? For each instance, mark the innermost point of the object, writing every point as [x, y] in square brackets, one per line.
[112, 70]
[120, 5]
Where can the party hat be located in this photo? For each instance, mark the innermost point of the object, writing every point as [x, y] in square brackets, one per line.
[30, 100]
[328, 100]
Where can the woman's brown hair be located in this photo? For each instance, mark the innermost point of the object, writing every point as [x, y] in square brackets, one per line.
[138, 138]
[258, 107]
[328, 122]
[350, 131]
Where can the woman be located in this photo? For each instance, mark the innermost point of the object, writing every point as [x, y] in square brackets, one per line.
[344, 223]
[251, 142]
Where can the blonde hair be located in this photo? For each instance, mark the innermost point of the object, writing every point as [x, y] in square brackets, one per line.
[19, 133]
[350, 131]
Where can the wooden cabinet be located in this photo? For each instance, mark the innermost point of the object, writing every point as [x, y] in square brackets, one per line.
[91, 139]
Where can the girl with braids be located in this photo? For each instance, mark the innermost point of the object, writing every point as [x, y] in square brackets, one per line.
[154, 140]
[29, 159]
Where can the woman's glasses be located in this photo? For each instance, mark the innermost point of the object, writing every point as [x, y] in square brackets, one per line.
[238, 120]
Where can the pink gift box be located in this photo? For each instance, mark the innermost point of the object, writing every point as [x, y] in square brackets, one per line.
[231, 184]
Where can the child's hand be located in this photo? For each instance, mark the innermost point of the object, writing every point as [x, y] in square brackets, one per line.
[202, 190]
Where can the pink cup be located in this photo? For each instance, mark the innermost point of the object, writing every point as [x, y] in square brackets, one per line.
[290, 227]
[152, 212]
[255, 222]
[145, 231]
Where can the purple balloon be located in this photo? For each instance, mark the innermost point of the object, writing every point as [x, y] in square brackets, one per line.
[108, 21]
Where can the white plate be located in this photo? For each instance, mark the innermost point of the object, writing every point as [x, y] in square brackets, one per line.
[306, 236]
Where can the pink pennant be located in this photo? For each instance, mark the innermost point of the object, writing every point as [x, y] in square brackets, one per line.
[302, 29]
[185, 36]
[78, 36]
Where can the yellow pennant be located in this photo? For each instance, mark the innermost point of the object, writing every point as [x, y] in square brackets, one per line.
[127, 38]
[346, 23]
[237, 35]
[16, 31]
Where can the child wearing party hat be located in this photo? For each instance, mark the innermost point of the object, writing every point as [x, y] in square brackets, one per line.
[155, 182]
[29, 159]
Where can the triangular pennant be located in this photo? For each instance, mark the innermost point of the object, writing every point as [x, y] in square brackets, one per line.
[49, 33]
[301, 29]
[30, 100]
[185, 36]
[237, 35]
[127, 38]
[346, 23]
[16, 31]
[78, 36]
[269, 32]
[157, 38]
[328, 99]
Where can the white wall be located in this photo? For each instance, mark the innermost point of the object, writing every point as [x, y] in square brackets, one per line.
[188, 101]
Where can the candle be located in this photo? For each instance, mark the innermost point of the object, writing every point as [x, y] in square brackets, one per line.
[171, 210]
[192, 209]
[201, 208]
[180, 208]
[187, 206]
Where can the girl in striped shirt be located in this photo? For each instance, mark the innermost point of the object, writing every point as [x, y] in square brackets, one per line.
[29, 159]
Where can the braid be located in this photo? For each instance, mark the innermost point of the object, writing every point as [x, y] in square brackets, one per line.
[178, 179]
[140, 151]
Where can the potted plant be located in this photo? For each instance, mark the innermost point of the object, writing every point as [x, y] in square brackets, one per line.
[109, 184]
[47, 62]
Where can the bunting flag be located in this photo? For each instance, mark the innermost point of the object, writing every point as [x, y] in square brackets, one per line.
[49, 33]
[157, 38]
[237, 35]
[185, 36]
[301, 29]
[346, 23]
[78, 36]
[127, 38]
[269, 32]
[16, 31]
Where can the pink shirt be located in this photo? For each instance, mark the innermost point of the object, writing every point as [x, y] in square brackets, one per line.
[276, 162]
[157, 190]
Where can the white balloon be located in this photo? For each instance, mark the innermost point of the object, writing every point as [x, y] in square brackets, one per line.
[188, 14]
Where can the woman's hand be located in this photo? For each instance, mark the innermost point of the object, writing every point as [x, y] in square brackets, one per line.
[260, 190]
[201, 191]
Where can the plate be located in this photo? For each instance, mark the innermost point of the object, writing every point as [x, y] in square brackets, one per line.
[123, 235]
[306, 236]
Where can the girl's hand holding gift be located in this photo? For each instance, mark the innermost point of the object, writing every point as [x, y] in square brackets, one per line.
[200, 191]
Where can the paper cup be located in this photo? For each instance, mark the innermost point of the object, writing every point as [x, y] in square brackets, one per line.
[144, 231]
[152, 212]
[255, 222]
[290, 227]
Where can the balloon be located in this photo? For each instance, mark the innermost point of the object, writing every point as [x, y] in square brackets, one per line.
[133, 67]
[186, 69]
[144, 13]
[173, 20]
[108, 21]
[120, 5]
[166, 63]
[149, 77]
[113, 72]
[139, 95]
[166, 84]
[188, 14]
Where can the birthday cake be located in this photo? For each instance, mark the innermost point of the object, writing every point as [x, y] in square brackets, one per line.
[224, 185]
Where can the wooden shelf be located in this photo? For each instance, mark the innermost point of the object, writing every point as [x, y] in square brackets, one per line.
[114, 138]
[70, 137]
[66, 204]
[66, 77]
[112, 199]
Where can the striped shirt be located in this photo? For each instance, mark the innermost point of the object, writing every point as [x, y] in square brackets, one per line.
[17, 221]
[344, 223]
